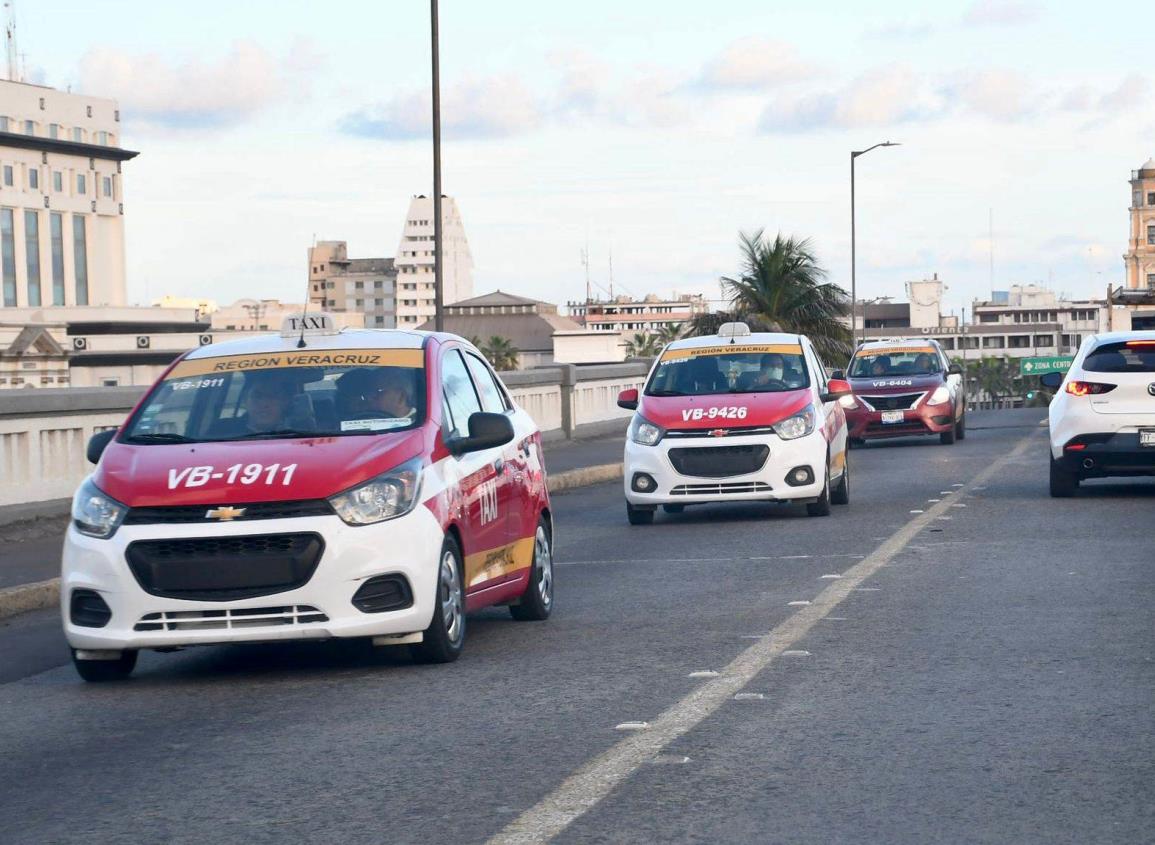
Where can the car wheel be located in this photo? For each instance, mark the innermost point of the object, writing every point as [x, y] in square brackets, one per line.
[840, 495]
[537, 600]
[855, 442]
[100, 671]
[1063, 483]
[639, 516]
[444, 639]
[946, 438]
[673, 508]
[822, 506]
[960, 429]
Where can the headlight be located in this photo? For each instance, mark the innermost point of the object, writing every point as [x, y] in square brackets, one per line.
[645, 432]
[847, 402]
[94, 513]
[388, 496]
[798, 425]
[941, 394]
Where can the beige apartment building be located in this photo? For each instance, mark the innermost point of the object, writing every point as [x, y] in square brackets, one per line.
[1140, 256]
[340, 284]
[624, 313]
[61, 199]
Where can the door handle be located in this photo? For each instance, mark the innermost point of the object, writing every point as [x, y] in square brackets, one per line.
[499, 465]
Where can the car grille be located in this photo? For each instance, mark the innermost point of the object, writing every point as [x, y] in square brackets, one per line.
[726, 432]
[198, 513]
[721, 488]
[224, 568]
[915, 427]
[895, 402]
[719, 461]
[231, 619]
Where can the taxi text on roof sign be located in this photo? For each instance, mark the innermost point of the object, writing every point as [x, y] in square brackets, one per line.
[896, 350]
[310, 324]
[733, 349]
[412, 358]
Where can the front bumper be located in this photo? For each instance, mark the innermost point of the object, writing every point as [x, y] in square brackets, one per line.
[1108, 454]
[409, 546]
[864, 424]
[766, 484]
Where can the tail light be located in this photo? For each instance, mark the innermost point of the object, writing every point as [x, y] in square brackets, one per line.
[1141, 343]
[1085, 388]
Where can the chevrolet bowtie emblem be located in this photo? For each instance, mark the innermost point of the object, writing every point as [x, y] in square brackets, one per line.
[718, 432]
[226, 513]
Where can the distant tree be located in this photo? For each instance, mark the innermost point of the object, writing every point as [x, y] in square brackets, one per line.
[643, 345]
[501, 352]
[669, 332]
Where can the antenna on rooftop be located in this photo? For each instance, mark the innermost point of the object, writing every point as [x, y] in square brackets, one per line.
[10, 41]
[586, 265]
[611, 272]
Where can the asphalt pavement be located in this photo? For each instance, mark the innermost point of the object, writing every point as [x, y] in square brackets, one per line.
[984, 673]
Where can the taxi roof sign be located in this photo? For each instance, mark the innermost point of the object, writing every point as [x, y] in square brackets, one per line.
[296, 325]
[733, 330]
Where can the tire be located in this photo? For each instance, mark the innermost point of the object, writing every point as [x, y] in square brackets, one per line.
[822, 506]
[1063, 483]
[444, 639]
[673, 508]
[537, 601]
[946, 438]
[856, 443]
[639, 516]
[960, 428]
[101, 671]
[840, 495]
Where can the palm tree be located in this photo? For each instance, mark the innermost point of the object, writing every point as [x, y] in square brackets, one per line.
[643, 345]
[501, 352]
[783, 288]
[669, 332]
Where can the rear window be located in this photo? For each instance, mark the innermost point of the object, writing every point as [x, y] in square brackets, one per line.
[748, 368]
[1128, 356]
[896, 361]
[328, 393]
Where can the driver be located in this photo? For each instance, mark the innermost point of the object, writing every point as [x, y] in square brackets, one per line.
[266, 405]
[881, 366]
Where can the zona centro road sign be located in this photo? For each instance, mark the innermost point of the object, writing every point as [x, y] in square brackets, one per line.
[1039, 366]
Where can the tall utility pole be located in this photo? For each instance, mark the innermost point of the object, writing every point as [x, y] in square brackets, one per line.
[438, 290]
[13, 54]
[853, 282]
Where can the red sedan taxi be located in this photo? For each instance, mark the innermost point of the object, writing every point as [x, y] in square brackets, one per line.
[904, 387]
[320, 483]
[736, 417]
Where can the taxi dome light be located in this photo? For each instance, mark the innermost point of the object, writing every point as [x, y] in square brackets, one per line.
[296, 325]
[733, 330]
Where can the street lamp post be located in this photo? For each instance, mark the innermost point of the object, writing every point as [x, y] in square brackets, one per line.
[853, 285]
[438, 292]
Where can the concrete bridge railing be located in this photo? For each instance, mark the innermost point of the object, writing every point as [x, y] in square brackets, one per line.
[43, 433]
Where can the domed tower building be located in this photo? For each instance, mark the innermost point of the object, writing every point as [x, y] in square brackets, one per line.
[1140, 257]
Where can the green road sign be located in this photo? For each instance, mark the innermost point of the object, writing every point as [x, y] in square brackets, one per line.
[1038, 366]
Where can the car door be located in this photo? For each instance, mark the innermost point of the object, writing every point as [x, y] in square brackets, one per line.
[833, 417]
[482, 479]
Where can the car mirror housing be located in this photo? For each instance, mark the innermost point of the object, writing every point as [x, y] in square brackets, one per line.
[836, 388]
[954, 370]
[486, 431]
[628, 399]
[97, 444]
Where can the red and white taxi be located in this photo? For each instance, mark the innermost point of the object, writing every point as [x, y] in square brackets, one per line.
[320, 483]
[736, 417]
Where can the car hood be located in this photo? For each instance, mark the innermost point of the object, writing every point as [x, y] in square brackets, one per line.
[156, 475]
[883, 385]
[723, 410]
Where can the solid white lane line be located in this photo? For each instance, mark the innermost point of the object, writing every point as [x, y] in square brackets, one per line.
[703, 673]
[797, 603]
[632, 726]
[586, 787]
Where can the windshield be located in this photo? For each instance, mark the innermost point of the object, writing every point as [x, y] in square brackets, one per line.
[896, 361]
[750, 368]
[1129, 356]
[277, 395]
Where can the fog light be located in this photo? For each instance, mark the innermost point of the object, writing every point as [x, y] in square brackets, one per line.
[643, 483]
[88, 609]
[800, 477]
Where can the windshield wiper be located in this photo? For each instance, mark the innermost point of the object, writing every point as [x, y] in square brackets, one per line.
[280, 432]
[159, 437]
[660, 392]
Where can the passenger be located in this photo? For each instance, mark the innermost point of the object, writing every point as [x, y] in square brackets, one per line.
[390, 392]
[771, 368]
[923, 364]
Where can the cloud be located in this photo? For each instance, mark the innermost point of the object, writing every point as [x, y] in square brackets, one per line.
[1132, 92]
[756, 64]
[1001, 13]
[152, 89]
[902, 30]
[493, 107]
[884, 96]
[590, 90]
[1000, 95]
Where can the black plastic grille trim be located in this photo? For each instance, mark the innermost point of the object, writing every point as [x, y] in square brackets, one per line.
[895, 402]
[383, 593]
[719, 461]
[88, 609]
[253, 511]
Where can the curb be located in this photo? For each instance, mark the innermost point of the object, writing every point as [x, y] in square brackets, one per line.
[44, 594]
[26, 597]
[584, 477]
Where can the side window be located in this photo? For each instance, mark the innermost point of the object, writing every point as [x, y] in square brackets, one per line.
[460, 397]
[820, 377]
[492, 398]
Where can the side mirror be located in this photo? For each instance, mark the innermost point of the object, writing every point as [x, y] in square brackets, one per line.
[97, 444]
[1051, 380]
[486, 431]
[836, 388]
[839, 375]
[954, 370]
[628, 399]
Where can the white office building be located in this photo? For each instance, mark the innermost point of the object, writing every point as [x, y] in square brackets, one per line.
[414, 261]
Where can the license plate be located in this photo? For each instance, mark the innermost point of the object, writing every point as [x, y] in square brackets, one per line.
[1147, 437]
[893, 416]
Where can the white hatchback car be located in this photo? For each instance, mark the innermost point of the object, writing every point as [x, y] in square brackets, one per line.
[1102, 420]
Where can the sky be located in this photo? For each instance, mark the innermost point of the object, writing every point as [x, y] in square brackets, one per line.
[653, 132]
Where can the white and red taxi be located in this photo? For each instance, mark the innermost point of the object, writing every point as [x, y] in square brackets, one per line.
[320, 483]
[736, 417]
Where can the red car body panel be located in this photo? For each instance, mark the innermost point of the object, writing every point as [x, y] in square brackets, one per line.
[730, 410]
[867, 424]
